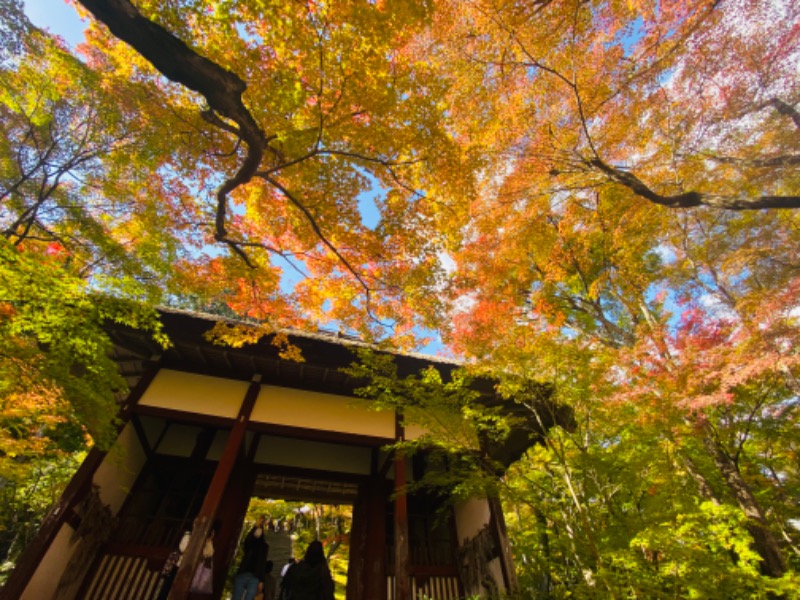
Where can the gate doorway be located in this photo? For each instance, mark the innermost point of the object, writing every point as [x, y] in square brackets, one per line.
[301, 505]
[292, 524]
[351, 512]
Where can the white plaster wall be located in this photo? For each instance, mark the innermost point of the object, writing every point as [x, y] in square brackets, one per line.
[313, 455]
[115, 476]
[327, 412]
[190, 392]
[119, 469]
[179, 440]
[43, 584]
[471, 516]
[495, 569]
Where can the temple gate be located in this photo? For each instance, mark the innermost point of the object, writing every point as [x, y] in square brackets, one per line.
[205, 428]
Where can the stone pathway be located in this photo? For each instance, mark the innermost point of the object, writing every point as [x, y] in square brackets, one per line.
[280, 551]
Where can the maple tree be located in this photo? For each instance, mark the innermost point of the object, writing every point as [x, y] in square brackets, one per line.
[282, 142]
[687, 317]
[683, 104]
[67, 264]
[63, 273]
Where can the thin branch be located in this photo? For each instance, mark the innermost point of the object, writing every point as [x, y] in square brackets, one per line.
[318, 231]
[693, 199]
[265, 174]
[315, 226]
[380, 161]
[788, 160]
[209, 116]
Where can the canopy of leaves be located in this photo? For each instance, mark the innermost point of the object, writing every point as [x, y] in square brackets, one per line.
[316, 153]
[595, 193]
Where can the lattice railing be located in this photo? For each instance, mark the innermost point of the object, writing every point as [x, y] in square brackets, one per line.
[123, 578]
[438, 587]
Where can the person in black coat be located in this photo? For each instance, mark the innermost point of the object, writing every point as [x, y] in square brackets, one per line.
[253, 568]
[310, 579]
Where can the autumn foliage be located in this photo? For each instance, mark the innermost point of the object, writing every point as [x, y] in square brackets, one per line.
[599, 194]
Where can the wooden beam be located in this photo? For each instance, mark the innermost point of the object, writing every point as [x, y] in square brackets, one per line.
[140, 433]
[204, 521]
[401, 572]
[76, 490]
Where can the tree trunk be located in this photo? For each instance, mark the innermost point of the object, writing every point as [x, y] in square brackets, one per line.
[703, 485]
[764, 541]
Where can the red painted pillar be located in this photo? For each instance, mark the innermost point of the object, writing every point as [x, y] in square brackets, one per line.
[208, 511]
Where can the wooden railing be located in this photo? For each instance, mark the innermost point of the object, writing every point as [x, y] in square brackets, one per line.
[123, 577]
[430, 583]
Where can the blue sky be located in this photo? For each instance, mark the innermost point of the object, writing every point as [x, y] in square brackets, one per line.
[58, 17]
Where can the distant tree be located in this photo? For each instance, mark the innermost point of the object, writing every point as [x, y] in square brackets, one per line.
[63, 275]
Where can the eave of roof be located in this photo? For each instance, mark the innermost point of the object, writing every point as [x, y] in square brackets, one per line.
[322, 335]
[325, 354]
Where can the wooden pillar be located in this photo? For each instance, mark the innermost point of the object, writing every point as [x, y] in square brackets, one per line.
[497, 523]
[204, 521]
[366, 575]
[359, 553]
[77, 488]
[401, 570]
[375, 587]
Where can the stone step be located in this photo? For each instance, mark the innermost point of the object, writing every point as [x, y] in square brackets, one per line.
[280, 550]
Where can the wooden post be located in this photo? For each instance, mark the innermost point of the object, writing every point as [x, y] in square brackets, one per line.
[77, 488]
[402, 582]
[500, 534]
[208, 511]
[359, 550]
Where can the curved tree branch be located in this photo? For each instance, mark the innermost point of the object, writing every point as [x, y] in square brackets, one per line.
[786, 110]
[685, 200]
[223, 91]
[221, 88]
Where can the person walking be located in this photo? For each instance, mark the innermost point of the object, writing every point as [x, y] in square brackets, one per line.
[310, 579]
[270, 585]
[252, 570]
[283, 593]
